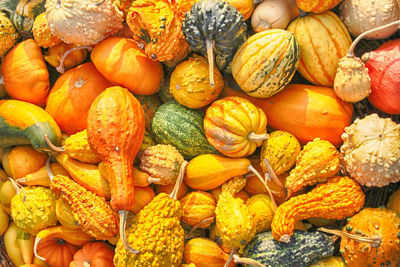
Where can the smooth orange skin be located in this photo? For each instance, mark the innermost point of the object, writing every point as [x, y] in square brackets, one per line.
[25, 73]
[143, 196]
[123, 63]
[97, 254]
[57, 253]
[24, 160]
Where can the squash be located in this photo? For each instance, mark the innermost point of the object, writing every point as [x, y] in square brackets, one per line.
[371, 152]
[197, 207]
[73, 236]
[271, 14]
[262, 210]
[117, 58]
[8, 34]
[65, 56]
[360, 16]
[70, 98]
[143, 196]
[23, 160]
[266, 62]
[246, 7]
[316, 6]
[323, 40]
[42, 34]
[25, 73]
[94, 254]
[182, 128]
[40, 177]
[255, 186]
[25, 123]
[190, 85]
[57, 252]
[182, 191]
[332, 261]
[150, 104]
[235, 126]
[83, 23]
[394, 201]
[65, 214]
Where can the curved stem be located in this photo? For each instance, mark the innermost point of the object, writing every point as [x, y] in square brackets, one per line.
[285, 238]
[374, 241]
[152, 180]
[210, 56]
[198, 225]
[60, 67]
[350, 53]
[48, 169]
[230, 258]
[251, 168]
[274, 177]
[17, 187]
[253, 137]
[37, 240]
[99, 3]
[248, 261]
[179, 180]
[52, 146]
[123, 215]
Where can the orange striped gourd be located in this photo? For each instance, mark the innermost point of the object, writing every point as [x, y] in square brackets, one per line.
[323, 39]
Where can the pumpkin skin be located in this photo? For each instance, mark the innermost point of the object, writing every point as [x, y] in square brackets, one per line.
[71, 96]
[94, 254]
[57, 252]
[323, 40]
[316, 6]
[25, 73]
[118, 58]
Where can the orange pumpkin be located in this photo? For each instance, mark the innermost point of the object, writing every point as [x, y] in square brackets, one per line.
[123, 63]
[25, 73]
[57, 252]
[23, 160]
[71, 96]
[94, 254]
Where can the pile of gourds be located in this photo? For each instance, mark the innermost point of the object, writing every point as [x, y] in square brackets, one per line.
[198, 132]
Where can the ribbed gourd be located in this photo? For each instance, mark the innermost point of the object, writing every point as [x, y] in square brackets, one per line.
[266, 62]
[198, 206]
[371, 151]
[214, 27]
[42, 34]
[8, 34]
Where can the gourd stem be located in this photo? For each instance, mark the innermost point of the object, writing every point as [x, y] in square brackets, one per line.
[197, 226]
[152, 180]
[37, 240]
[48, 169]
[302, 13]
[179, 180]
[251, 168]
[2, 79]
[17, 187]
[60, 67]
[99, 3]
[210, 56]
[248, 261]
[52, 146]
[123, 215]
[285, 238]
[350, 53]
[230, 257]
[272, 174]
[374, 241]
[253, 137]
[265, 25]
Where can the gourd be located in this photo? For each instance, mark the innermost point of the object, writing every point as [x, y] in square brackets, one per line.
[318, 62]
[190, 85]
[42, 34]
[241, 194]
[271, 14]
[158, 26]
[83, 23]
[316, 6]
[393, 202]
[182, 191]
[264, 72]
[262, 210]
[163, 92]
[65, 214]
[25, 73]
[360, 16]
[182, 128]
[150, 104]
[70, 98]
[117, 58]
[204, 27]
[305, 248]
[370, 151]
[332, 261]
[338, 198]
[57, 252]
[65, 56]
[143, 196]
[235, 126]
[197, 207]
[318, 161]
[23, 160]
[94, 254]
[246, 7]
[8, 34]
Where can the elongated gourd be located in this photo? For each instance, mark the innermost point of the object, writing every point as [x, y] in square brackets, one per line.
[40, 177]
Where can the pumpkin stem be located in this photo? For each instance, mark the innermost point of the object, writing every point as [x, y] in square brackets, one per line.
[285, 238]
[52, 146]
[37, 240]
[374, 241]
[48, 169]
[350, 53]
[16, 186]
[99, 3]
[123, 216]
[251, 168]
[179, 180]
[210, 56]
[230, 257]
[60, 67]
[152, 180]
[272, 175]
[253, 137]
[197, 226]
[248, 261]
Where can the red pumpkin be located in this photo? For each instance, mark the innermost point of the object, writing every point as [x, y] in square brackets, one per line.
[96, 254]
[57, 252]
[71, 96]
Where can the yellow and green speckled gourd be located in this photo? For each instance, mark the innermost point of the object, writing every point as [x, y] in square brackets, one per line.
[8, 34]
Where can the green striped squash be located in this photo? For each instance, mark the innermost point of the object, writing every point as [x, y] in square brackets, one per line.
[182, 128]
[266, 62]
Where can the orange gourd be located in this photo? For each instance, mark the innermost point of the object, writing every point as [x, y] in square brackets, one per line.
[25, 73]
[71, 96]
[316, 6]
[57, 252]
[94, 254]
[143, 196]
[23, 160]
[123, 63]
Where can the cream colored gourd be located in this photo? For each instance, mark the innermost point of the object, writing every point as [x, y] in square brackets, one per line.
[271, 14]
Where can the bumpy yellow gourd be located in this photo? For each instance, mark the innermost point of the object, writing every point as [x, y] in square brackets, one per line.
[77, 147]
[261, 208]
[42, 34]
[8, 34]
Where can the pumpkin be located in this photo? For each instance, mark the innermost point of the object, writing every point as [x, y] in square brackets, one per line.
[394, 201]
[8, 34]
[360, 16]
[94, 254]
[190, 84]
[42, 34]
[83, 23]
[235, 126]
[23, 160]
[65, 56]
[157, 24]
[323, 40]
[371, 151]
[70, 98]
[316, 6]
[205, 30]
[25, 73]
[246, 7]
[264, 72]
[117, 58]
[57, 252]
[196, 207]
[271, 14]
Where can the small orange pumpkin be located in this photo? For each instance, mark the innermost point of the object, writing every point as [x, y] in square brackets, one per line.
[23, 160]
[57, 252]
[25, 73]
[94, 254]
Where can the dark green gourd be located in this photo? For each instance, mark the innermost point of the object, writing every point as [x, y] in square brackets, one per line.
[304, 249]
[215, 27]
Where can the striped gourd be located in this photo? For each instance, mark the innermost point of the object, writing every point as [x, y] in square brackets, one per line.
[266, 62]
[323, 39]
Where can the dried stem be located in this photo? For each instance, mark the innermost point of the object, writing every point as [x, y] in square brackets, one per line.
[273, 175]
[52, 146]
[248, 261]
[37, 240]
[60, 67]
[253, 137]
[251, 168]
[210, 55]
[179, 180]
[374, 241]
[152, 180]
[198, 225]
[123, 216]
[230, 258]
[48, 169]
